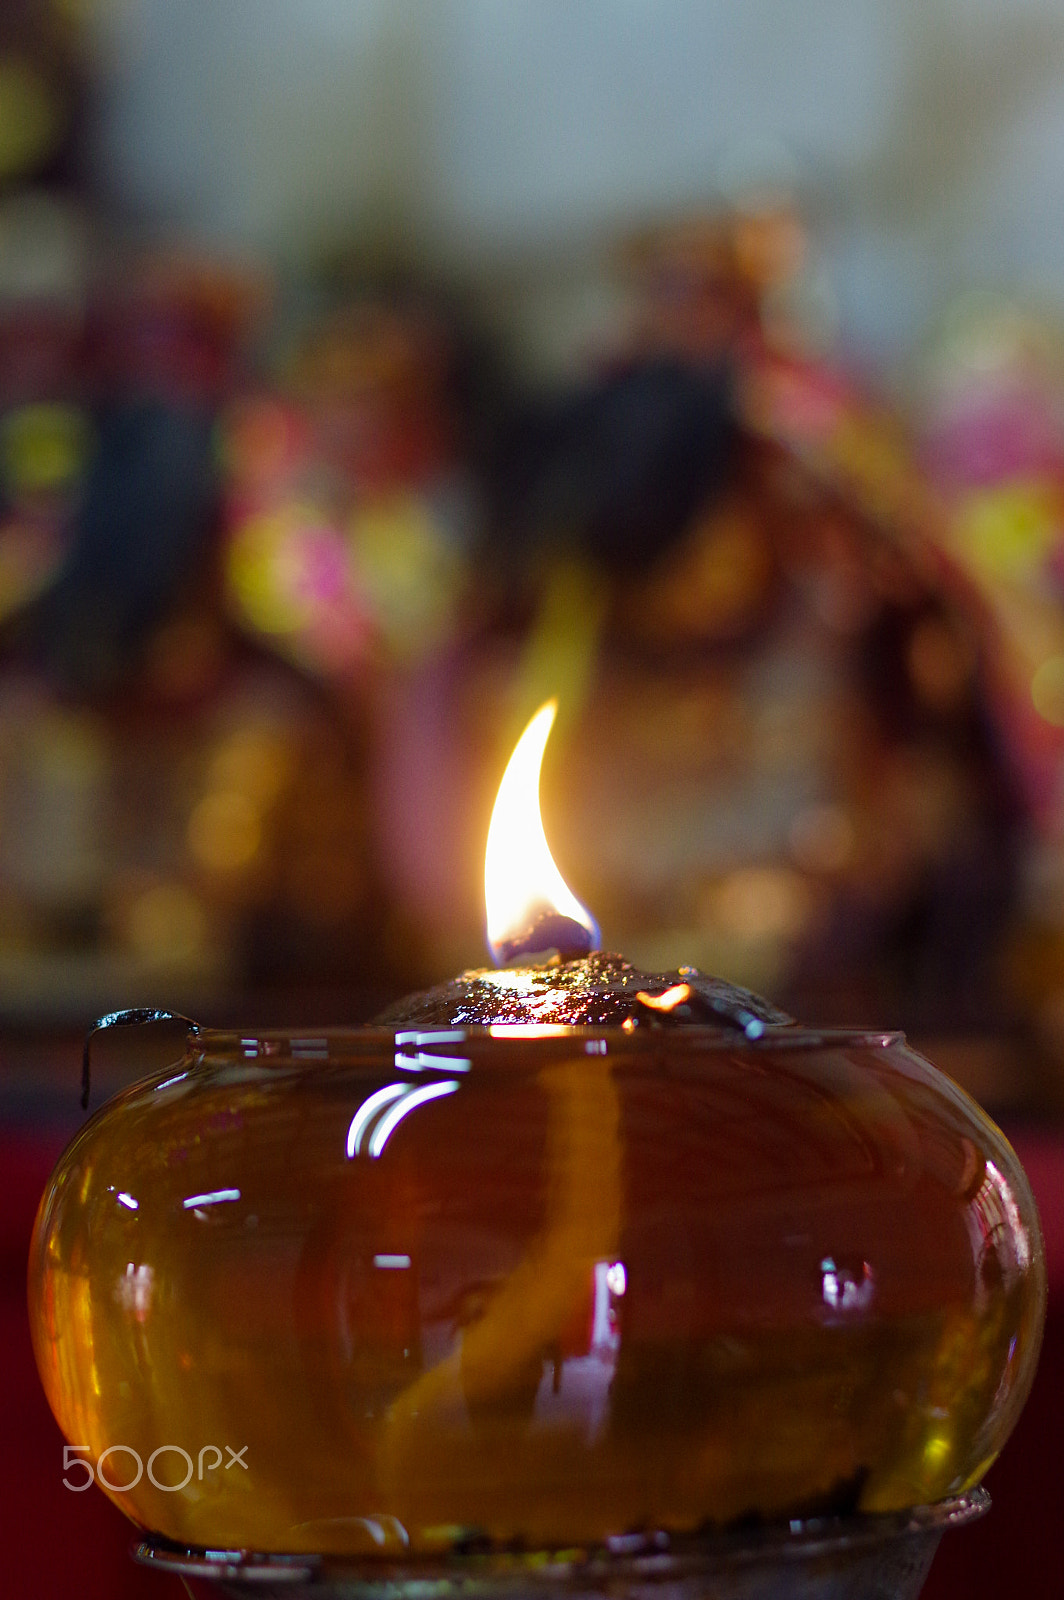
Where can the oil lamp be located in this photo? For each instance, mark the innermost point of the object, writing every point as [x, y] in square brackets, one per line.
[560, 1274]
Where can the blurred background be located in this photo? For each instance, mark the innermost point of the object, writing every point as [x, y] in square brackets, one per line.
[371, 370]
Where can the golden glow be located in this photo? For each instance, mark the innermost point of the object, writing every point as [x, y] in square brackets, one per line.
[520, 877]
[1047, 691]
[224, 831]
[164, 921]
[529, 1030]
[678, 995]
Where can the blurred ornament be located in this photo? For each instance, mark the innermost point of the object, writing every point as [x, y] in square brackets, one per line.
[46, 435]
[55, 778]
[261, 443]
[44, 449]
[716, 582]
[783, 679]
[141, 529]
[31, 115]
[42, 92]
[1010, 530]
[166, 336]
[409, 572]
[348, 519]
[171, 325]
[31, 553]
[44, 239]
[292, 580]
[618, 468]
[994, 446]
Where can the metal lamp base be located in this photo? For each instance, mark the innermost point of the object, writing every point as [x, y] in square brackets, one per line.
[817, 1558]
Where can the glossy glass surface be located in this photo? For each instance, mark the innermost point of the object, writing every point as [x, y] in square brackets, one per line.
[533, 1285]
[881, 1557]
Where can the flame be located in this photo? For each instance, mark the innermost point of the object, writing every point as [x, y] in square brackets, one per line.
[521, 881]
[678, 995]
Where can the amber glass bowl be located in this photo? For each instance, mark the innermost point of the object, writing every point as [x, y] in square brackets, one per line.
[374, 1293]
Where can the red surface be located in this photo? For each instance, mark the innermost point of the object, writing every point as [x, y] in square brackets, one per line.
[58, 1543]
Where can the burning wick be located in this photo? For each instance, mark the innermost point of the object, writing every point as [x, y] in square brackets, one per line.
[531, 910]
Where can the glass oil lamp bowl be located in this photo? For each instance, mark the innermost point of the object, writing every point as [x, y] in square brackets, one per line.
[563, 1274]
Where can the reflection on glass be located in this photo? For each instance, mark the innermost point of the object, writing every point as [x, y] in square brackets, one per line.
[401, 1107]
[845, 1289]
[366, 1112]
[196, 1202]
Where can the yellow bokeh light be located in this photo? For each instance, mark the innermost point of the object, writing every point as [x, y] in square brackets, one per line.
[43, 447]
[254, 762]
[31, 115]
[762, 903]
[224, 831]
[1047, 691]
[407, 570]
[1009, 530]
[167, 921]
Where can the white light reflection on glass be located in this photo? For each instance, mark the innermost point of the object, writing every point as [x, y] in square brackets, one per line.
[997, 1229]
[310, 1049]
[128, 1201]
[383, 1527]
[526, 1030]
[842, 1290]
[215, 1197]
[391, 1263]
[410, 1055]
[366, 1113]
[402, 1108]
[169, 1082]
[432, 1036]
[133, 1291]
[576, 1387]
[1012, 1212]
[429, 1059]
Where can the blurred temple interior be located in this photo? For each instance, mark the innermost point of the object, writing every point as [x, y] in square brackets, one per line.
[370, 372]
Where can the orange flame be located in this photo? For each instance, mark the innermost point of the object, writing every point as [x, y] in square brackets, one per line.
[522, 885]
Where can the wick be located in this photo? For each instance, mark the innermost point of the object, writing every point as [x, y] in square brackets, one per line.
[549, 937]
